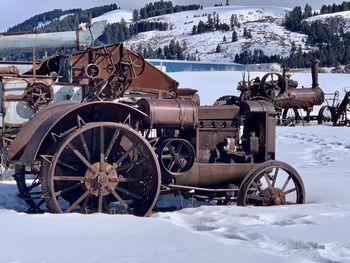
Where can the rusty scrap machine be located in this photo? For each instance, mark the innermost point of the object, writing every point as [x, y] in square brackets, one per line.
[283, 92]
[104, 131]
[336, 112]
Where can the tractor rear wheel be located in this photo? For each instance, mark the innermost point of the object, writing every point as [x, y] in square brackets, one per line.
[102, 167]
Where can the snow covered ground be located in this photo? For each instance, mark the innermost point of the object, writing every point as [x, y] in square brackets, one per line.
[315, 232]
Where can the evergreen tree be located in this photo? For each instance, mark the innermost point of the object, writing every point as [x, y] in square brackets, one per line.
[135, 15]
[307, 11]
[194, 30]
[218, 49]
[234, 36]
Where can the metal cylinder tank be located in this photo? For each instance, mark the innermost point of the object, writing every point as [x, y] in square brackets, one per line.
[170, 113]
[301, 98]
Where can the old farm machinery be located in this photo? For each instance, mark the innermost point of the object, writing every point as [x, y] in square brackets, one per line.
[104, 131]
[336, 112]
[283, 92]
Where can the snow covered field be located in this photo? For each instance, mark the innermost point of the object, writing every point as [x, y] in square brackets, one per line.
[315, 232]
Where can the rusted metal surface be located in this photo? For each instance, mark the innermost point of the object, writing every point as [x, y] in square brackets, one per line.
[170, 113]
[10, 70]
[27, 131]
[124, 70]
[337, 113]
[281, 91]
[113, 129]
[54, 122]
[271, 183]
[100, 180]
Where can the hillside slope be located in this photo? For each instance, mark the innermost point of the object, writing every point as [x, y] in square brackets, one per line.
[264, 23]
[336, 20]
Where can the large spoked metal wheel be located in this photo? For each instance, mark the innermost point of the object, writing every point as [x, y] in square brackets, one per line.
[132, 65]
[29, 188]
[325, 115]
[290, 117]
[271, 183]
[176, 156]
[39, 95]
[273, 85]
[102, 167]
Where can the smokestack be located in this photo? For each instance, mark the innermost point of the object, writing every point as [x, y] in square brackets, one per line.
[314, 73]
[24, 42]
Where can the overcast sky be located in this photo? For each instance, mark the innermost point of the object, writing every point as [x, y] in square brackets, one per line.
[16, 11]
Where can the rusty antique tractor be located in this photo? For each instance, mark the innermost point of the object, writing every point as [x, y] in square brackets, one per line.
[283, 93]
[104, 131]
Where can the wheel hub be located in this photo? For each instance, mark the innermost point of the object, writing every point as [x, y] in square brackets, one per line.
[274, 196]
[101, 178]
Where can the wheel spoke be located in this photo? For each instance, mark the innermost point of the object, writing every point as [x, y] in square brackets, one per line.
[122, 179]
[84, 205]
[171, 150]
[268, 181]
[111, 144]
[102, 145]
[178, 150]
[77, 202]
[115, 194]
[134, 72]
[275, 177]
[171, 164]
[79, 155]
[167, 156]
[68, 178]
[86, 149]
[127, 192]
[67, 165]
[290, 191]
[179, 164]
[125, 155]
[130, 165]
[257, 187]
[285, 183]
[66, 190]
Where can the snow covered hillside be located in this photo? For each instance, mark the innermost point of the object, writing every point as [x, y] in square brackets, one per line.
[115, 16]
[263, 21]
[336, 20]
[315, 232]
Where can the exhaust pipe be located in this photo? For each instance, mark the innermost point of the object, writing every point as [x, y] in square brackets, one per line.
[25, 42]
[314, 73]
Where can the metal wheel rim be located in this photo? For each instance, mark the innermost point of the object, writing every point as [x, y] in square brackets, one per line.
[252, 181]
[152, 163]
[132, 65]
[177, 159]
[270, 87]
[325, 115]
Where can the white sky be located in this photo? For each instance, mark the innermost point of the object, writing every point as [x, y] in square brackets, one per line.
[16, 11]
